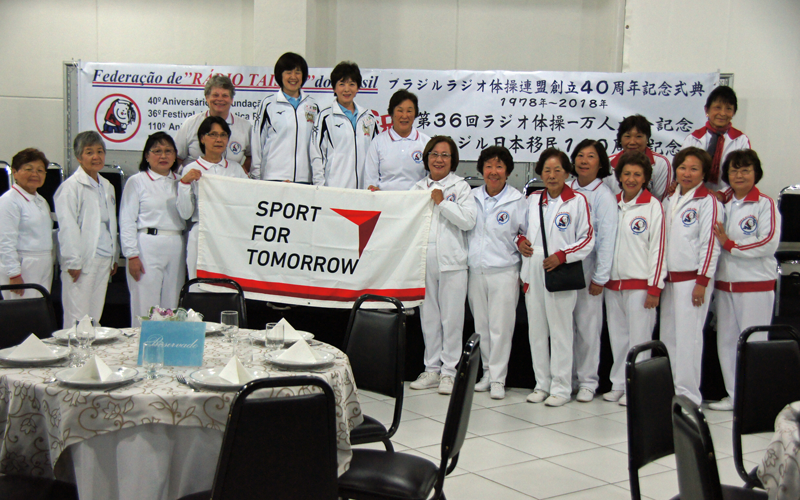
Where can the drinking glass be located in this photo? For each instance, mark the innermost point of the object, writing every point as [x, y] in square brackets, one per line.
[230, 324]
[274, 337]
[152, 358]
[243, 349]
[85, 334]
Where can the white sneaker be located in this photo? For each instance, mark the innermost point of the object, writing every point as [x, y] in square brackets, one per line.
[446, 385]
[623, 401]
[426, 380]
[724, 404]
[556, 401]
[585, 395]
[613, 396]
[537, 396]
[483, 384]
[497, 391]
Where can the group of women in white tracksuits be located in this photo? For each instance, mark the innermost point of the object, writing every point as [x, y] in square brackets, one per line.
[606, 213]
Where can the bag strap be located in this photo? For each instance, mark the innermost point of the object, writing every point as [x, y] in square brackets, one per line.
[541, 223]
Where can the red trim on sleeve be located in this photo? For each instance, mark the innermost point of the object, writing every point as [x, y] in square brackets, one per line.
[654, 291]
[520, 239]
[703, 280]
[134, 257]
[562, 257]
[15, 277]
[729, 245]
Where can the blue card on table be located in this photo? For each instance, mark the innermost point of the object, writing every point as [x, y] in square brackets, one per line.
[184, 341]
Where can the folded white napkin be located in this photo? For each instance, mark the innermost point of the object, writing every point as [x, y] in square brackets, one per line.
[85, 324]
[300, 352]
[193, 316]
[289, 333]
[31, 348]
[235, 372]
[94, 370]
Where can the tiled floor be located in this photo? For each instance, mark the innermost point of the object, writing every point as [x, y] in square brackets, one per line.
[520, 451]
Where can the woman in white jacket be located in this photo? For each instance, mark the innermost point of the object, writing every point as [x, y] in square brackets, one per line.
[638, 269]
[87, 232]
[442, 311]
[746, 273]
[151, 230]
[570, 238]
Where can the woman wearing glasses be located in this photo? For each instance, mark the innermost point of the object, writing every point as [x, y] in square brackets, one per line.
[442, 312]
[746, 272]
[26, 228]
[151, 229]
[213, 136]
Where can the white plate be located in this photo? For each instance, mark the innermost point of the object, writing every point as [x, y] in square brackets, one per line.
[59, 353]
[102, 334]
[212, 328]
[325, 359]
[118, 374]
[262, 336]
[208, 378]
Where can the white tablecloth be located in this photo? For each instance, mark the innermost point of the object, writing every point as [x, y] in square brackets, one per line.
[779, 470]
[154, 439]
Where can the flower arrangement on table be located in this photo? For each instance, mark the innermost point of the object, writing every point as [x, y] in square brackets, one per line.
[158, 313]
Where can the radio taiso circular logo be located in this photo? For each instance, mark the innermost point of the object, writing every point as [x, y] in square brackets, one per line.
[117, 118]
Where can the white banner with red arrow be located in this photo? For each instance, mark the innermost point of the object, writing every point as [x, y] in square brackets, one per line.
[313, 245]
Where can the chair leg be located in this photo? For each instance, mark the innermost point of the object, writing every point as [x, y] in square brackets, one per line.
[388, 444]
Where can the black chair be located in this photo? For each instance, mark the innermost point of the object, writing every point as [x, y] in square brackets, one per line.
[278, 447]
[5, 177]
[375, 342]
[13, 487]
[698, 476]
[767, 375]
[27, 315]
[377, 474]
[533, 184]
[211, 304]
[115, 175]
[649, 390]
[52, 180]
[789, 248]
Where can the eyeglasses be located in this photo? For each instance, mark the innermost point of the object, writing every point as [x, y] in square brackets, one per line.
[217, 135]
[740, 172]
[162, 152]
[32, 170]
[443, 156]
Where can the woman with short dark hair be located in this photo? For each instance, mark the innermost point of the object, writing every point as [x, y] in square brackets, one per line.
[395, 159]
[26, 228]
[283, 123]
[151, 229]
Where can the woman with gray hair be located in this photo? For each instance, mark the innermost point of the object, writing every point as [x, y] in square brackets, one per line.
[219, 92]
[87, 235]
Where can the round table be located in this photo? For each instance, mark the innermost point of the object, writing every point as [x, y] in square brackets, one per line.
[779, 470]
[169, 434]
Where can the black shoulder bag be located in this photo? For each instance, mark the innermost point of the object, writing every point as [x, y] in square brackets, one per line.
[566, 276]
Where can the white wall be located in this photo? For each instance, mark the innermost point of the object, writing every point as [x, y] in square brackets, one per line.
[758, 41]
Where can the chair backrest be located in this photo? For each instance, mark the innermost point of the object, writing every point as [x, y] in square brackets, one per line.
[277, 446]
[457, 419]
[52, 180]
[533, 184]
[5, 177]
[115, 175]
[27, 315]
[649, 391]
[767, 372]
[789, 206]
[698, 477]
[211, 304]
[375, 342]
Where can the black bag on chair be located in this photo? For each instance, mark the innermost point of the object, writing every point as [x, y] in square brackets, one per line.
[566, 276]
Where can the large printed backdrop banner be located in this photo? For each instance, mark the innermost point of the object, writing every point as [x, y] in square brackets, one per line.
[312, 245]
[524, 111]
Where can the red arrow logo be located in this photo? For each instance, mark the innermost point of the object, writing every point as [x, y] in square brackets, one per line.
[365, 220]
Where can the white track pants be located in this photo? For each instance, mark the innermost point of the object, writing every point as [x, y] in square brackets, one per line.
[36, 267]
[163, 260]
[735, 313]
[550, 317]
[493, 300]
[87, 296]
[682, 333]
[629, 324]
[588, 317]
[442, 316]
